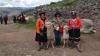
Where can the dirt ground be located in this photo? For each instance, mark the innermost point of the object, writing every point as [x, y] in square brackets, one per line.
[16, 41]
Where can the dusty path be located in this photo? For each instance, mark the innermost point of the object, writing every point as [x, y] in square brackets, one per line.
[16, 41]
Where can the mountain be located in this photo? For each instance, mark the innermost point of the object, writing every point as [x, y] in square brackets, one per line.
[11, 10]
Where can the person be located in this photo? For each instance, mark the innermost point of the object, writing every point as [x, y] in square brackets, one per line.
[5, 19]
[14, 19]
[74, 23]
[23, 18]
[1, 19]
[41, 35]
[57, 21]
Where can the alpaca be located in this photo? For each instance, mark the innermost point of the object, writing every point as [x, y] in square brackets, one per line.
[65, 36]
[50, 34]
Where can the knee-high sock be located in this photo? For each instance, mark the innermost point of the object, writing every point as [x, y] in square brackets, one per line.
[39, 43]
[78, 45]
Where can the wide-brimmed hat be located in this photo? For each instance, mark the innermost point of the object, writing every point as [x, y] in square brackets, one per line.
[42, 13]
[57, 13]
[73, 12]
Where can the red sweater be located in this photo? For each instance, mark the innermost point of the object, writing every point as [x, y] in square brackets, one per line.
[5, 18]
[77, 23]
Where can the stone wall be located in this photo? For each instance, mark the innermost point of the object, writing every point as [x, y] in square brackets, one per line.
[86, 9]
[50, 12]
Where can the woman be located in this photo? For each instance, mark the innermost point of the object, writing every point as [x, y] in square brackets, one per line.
[57, 23]
[74, 24]
[41, 35]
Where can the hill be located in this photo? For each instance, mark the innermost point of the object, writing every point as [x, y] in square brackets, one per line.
[8, 10]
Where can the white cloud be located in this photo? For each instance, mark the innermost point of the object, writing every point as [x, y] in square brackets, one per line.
[8, 5]
[24, 3]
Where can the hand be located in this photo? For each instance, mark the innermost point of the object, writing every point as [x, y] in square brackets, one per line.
[41, 28]
[69, 28]
[38, 32]
[76, 38]
[77, 27]
[41, 34]
[57, 28]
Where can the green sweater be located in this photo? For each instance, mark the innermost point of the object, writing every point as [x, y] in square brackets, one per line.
[61, 20]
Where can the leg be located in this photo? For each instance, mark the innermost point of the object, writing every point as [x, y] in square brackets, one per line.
[59, 39]
[39, 48]
[5, 21]
[78, 46]
[72, 43]
[64, 42]
[57, 42]
[1, 20]
[67, 42]
[48, 44]
[56, 37]
[44, 46]
[52, 42]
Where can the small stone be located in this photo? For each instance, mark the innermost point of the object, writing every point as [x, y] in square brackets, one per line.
[28, 55]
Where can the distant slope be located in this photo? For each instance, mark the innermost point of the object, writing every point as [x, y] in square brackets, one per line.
[66, 3]
[8, 10]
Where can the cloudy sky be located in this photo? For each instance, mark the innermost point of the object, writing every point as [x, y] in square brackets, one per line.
[24, 3]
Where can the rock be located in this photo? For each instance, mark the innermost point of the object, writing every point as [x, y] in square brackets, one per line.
[87, 25]
[97, 23]
[64, 9]
[96, 12]
[99, 6]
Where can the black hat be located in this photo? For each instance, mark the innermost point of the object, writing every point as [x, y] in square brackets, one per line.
[57, 13]
[42, 13]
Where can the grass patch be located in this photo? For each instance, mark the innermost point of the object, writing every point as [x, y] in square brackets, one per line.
[30, 25]
[63, 4]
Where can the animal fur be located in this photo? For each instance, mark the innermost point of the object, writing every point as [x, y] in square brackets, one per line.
[65, 36]
[50, 34]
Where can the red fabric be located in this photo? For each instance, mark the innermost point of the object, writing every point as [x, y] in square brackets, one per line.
[41, 13]
[78, 23]
[60, 28]
[23, 17]
[53, 26]
[5, 18]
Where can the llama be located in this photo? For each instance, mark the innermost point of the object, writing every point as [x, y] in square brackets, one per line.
[65, 36]
[50, 34]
